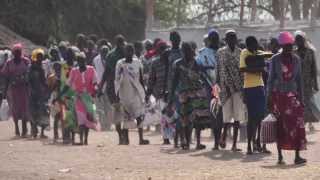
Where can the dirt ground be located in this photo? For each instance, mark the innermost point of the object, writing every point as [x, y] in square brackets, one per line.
[103, 159]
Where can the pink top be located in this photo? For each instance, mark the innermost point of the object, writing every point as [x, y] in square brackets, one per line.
[83, 81]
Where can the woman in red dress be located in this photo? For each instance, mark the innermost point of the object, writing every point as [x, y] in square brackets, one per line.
[285, 92]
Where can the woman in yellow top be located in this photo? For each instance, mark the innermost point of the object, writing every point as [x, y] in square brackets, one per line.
[252, 65]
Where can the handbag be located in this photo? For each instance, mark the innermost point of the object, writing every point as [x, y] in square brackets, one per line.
[269, 130]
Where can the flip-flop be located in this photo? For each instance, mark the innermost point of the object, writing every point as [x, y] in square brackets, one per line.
[300, 161]
[200, 147]
[223, 145]
[144, 142]
[265, 151]
[236, 150]
[281, 162]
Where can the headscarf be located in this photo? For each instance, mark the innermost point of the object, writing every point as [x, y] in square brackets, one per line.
[285, 37]
[161, 44]
[300, 33]
[230, 31]
[17, 46]
[81, 55]
[35, 53]
[213, 32]
[304, 35]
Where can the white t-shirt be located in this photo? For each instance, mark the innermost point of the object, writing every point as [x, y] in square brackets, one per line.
[99, 66]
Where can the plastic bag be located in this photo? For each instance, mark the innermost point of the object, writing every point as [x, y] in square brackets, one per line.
[315, 105]
[4, 111]
[153, 112]
[269, 129]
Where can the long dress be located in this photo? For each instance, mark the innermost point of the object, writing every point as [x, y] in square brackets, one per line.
[290, 114]
[83, 83]
[193, 95]
[39, 96]
[309, 74]
[18, 90]
[129, 88]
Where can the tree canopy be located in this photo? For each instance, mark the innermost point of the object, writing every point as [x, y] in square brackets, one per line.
[39, 20]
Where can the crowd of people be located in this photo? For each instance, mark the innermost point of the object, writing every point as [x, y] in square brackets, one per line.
[94, 84]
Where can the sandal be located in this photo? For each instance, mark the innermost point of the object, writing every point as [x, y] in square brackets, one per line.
[43, 137]
[200, 147]
[234, 149]
[215, 148]
[143, 142]
[300, 161]
[223, 144]
[265, 151]
[185, 147]
[281, 162]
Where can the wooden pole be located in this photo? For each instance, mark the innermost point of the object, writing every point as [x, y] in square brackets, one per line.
[210, 15]
[241, 12]
[314, 8]
[149, 14]
[283, 12]
[178, 20]
[253, 10]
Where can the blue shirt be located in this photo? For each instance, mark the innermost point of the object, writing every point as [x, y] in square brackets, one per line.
[207, 60]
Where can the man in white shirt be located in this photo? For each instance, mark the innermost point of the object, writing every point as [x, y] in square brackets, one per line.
[102, 102]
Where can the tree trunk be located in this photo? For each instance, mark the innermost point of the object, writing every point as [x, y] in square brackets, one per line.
[295, 9]
[253, 10]
[178, 20]
[283, 13]
[314, 8]
[210, 14]
[318, 10]
[306, 6]
[149, 14]
[241, 12]
[276, 9]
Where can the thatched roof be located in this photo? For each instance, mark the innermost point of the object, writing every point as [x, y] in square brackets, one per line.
[8, 38]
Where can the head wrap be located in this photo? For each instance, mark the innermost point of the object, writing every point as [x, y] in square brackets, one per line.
[160, 44]
[104, 47]
[213, 32]
[230, 31]
[35, 53]
[285, 38]
[53, 48]
[17, 46]
[63, 44]
[75, 49]
[81, 55]
[300, 33]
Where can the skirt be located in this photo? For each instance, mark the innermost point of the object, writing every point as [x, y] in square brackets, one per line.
[289, 112]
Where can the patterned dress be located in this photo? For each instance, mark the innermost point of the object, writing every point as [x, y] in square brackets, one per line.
[18, 90]
[39, 98]
[192, 94]
[309, 75]
[289, 112]
[229, 78]
[83, 83]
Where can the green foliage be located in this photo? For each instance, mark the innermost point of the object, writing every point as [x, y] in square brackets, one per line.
[166, 11]
[40, 19]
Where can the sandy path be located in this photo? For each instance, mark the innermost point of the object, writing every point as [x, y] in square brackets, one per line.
[103, 159]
